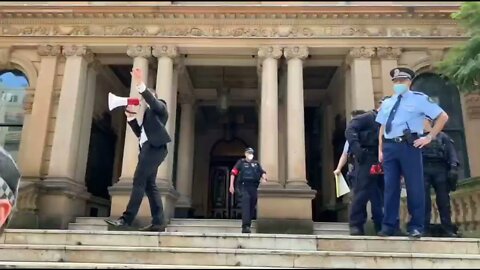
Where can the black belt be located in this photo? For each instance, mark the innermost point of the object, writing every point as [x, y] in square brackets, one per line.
[400, 139]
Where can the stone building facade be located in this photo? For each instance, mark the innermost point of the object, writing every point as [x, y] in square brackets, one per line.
[281, 77]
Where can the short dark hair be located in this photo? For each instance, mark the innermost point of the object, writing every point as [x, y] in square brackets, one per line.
[357, 112]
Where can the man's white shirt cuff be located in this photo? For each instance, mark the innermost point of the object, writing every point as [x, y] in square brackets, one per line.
[141, 88]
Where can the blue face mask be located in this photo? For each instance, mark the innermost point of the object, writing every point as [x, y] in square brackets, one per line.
[400, 88]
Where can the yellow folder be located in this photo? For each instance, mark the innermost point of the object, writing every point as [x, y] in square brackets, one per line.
[342, 187]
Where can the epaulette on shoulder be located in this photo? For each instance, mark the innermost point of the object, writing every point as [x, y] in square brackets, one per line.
[419, 93]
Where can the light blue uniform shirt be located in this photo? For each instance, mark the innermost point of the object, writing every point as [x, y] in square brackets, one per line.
[413, 108]
[346, 146]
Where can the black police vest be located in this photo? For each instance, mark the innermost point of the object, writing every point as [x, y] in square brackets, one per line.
[434, 151]
[369, 138]
[249, 172]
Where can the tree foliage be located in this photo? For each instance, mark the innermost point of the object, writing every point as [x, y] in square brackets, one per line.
[462, 64]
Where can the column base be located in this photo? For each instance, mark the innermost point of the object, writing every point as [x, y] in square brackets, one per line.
[297, 184]
[286, 211]
[120, 195]
[60, 201]
[26, 212]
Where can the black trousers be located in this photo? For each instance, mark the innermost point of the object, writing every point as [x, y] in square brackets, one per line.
[249, 202]
[436, 176]
[149, 159]
[366, 188]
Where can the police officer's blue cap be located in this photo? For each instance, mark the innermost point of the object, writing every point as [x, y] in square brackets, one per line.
[402, 73]
[249, 150]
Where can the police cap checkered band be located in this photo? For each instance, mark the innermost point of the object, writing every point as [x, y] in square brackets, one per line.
[6, 192]
[401, 72]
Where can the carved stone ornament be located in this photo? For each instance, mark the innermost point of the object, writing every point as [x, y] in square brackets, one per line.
[274, 52]
[300, 52]
[49, 50]
[472, 102]
[170, 51]
[139, 51]
[389, 53]
[362, 52]
[75, 50]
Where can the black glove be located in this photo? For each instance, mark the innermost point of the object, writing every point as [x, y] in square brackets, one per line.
[358, 152]
[453, 177]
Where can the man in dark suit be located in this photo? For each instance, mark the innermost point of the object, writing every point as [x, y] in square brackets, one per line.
[153, 139]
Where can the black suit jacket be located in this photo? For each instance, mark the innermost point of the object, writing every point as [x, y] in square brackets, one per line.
[154, 121]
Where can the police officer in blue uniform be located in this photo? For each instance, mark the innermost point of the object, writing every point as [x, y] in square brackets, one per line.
[440, 165]
[362, 136]
[400, 141]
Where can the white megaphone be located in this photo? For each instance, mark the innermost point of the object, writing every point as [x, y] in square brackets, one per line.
[115, 101]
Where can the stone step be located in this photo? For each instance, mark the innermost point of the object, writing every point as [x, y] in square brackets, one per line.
[237, 223]
[238, 229]
[233, 257]
[61, 265]
[242, 241]
[91, 220]
[87, 227]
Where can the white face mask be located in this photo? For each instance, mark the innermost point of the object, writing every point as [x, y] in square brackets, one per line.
[249, 156]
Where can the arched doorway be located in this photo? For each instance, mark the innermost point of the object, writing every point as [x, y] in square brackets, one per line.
[13, 85]
[223, 156]
[447, 96]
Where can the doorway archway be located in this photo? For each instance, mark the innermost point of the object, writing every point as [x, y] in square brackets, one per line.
[223, 156]
[447, 96]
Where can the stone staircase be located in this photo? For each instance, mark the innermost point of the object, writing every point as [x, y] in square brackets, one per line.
[207, 226]
[132, 249]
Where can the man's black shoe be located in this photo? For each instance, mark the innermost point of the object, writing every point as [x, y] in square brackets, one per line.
[415, 234]
[449, 233]
[116, 223]
[383, 234]
[356, 231]
[153, 228]
[246, 230]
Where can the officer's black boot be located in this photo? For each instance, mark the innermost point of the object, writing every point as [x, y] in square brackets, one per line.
[246, 229]
[356, 231]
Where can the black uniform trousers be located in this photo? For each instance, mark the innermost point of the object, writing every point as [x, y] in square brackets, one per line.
[249, 194]
[366, 188]
[435, 175]
[149, 159]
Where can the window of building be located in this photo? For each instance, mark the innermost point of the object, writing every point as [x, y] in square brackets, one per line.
[13, 85]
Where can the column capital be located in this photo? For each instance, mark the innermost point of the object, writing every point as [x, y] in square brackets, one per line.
[95, 65]
[362, 52]
[274, 52]
[300, 52]
[139, 51]
[389, 53]
[170, 51]
[74, 50]
[49, 50]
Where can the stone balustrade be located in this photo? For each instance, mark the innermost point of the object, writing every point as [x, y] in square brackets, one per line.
[465, 205]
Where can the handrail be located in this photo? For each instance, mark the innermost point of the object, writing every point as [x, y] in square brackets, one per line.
[10, 125]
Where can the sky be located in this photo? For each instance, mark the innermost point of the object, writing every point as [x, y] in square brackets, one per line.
[10, 80]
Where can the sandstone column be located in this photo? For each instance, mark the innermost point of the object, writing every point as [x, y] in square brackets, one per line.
[296, 171]
[34, 137]
[86, 126]
[362, 97]
[269, 113]
[185, 158]
[167, 89]
[289, 210]
[120, 192]
[388, 61]
[63, 190]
